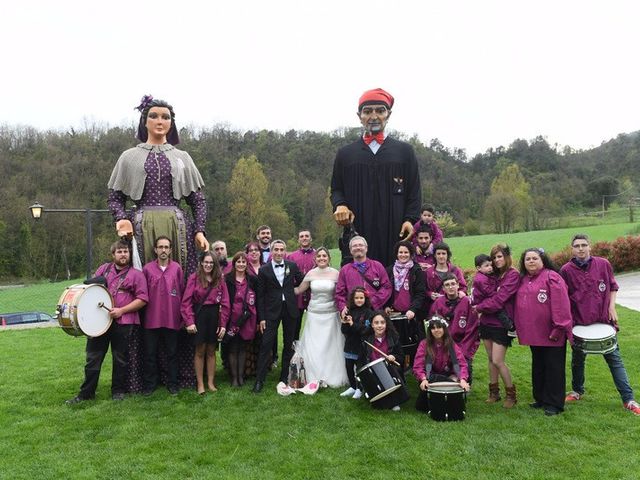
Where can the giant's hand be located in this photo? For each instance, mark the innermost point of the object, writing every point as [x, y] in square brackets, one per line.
[201, 242]
[343, 216]
[406, 230]
[124, 228]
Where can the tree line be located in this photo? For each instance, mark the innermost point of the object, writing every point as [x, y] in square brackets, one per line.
[282, 179]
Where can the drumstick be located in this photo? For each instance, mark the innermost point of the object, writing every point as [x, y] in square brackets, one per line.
[382, 353]
[102, 305]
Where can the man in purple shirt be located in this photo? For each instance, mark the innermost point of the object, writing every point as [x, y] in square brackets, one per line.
[362, 272]
[592, 291]
[305, 258]
[165, 282]
[128, 289]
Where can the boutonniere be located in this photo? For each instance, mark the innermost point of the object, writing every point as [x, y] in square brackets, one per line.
[286, 270]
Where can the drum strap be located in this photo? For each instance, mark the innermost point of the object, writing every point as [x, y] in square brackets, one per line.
[368, 280]
[198, 307]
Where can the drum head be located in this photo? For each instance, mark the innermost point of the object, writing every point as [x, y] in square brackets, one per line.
[594, 331]
[92, 319]
[369, 365]
[445, 387]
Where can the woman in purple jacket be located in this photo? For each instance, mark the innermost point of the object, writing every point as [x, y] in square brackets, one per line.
[543, 321]
[492, 332]
[205, 312]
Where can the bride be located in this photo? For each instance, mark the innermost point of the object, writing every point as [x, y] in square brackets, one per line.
[322, 341]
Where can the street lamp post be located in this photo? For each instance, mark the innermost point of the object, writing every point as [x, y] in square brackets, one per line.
[37, 210]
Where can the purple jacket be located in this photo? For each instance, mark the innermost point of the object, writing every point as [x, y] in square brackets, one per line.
[436, 237]
[463, 322]
[237, 293]
[165, 295]
[434, 284]
[194, 294]
[483, 286]
[442, 363]
[590, 290]
[125, 286]
[349, 278]
[306, 260]
[542, 310]
[501, 300]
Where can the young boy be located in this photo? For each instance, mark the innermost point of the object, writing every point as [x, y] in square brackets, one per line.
[484, 285]
[427, 217]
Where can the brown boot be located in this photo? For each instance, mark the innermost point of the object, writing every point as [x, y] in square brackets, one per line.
[494, 393]
[511, 399]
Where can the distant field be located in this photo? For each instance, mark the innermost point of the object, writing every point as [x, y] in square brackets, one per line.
[44, 296]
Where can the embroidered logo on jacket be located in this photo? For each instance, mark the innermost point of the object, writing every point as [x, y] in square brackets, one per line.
[542, 296]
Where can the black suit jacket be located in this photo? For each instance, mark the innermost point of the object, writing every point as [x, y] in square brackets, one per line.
[269, 291]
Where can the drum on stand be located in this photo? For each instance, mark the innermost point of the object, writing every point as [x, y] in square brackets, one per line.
[382, 384]
[597, 338]
[83, 310]
[447, 401]
[408, 332]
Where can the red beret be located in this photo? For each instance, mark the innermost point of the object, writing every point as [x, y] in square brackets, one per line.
[377, 95]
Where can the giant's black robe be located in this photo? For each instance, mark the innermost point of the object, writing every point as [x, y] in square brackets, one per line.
[382, 190]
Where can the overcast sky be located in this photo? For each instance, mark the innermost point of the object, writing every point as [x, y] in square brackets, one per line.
[475, 74]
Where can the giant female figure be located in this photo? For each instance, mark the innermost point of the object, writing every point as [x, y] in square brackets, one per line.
[156, 176]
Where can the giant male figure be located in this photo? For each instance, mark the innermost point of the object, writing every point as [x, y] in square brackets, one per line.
[376, 183]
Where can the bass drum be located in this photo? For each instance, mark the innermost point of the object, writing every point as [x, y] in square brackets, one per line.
[81, 310]
[382, 384]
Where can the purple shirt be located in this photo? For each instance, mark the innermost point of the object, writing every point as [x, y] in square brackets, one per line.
[349, 278]
[381, 344]
[463, 322]
[125, 286]
[306, 260]
[434, 283]
[248, 330]
[402, 297]
[165, 295]
[194, 294]
[590, 290]
[441, 363]
[436, 235]
[501, 300]
[542, 310]
[483, 287]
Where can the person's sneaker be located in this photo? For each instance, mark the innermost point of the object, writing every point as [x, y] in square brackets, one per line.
[572, 397]
[633, 406]
[348, 392]
[357, 394]
[396, 408]
[551, 411]
[117, 396]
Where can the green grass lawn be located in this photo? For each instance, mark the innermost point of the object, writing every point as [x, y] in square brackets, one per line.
[236, 434]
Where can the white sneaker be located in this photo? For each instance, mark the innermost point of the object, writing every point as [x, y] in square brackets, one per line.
[396, 408]
[348, 392]
[357, 394]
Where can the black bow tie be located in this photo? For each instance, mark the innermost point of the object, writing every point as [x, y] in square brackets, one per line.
[279, 265]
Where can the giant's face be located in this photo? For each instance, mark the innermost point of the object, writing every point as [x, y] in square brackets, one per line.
[374, 118]
[158, 121]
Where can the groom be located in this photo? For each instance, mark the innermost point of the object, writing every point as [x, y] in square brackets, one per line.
[277, 301]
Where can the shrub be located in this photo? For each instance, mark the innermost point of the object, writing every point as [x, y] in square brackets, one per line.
[623, 253]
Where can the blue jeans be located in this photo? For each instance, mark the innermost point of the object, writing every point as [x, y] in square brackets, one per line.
[616, 366]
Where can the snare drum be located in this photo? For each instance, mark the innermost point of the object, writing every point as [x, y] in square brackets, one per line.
[447, 401]
[408, 332]
[381, 384]
[80, 312]
[595, 338]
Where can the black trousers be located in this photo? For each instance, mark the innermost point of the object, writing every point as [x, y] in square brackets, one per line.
[270, 334]
[152, 337]
[548, 375]
[118, 337]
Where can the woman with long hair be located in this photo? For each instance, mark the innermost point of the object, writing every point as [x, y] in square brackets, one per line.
[493, 334]
[205, 304]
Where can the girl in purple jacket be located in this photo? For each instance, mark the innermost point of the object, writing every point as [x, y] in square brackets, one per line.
[543, 321]
[438, 359]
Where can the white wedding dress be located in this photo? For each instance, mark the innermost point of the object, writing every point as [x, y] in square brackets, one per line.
[322, 341]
